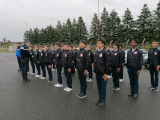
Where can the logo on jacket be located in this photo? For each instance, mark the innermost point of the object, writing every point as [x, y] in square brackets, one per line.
[81, 55]
[35, 53]
[30, 53]
[89, 54]
[100, 55]
[115, 54]
[65, 55]
[41, 54]
[155, 53]
[52, 52]
[57, 55]
[135, 52]
[46, 54]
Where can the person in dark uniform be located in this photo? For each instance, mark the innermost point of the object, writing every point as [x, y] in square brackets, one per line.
[75, 56]
[154, 65]
[73, 59]
[67, 64]
[42, 61]
[48, 62]
[25, 55]
[101, 69]
[109, 54]
[18, 54]
[31, 60]
[123, 61]
[134, 66]
[115, 64]
[53, 56]
[91, 61]
[82, 68]
[36, 61]
[58, 63]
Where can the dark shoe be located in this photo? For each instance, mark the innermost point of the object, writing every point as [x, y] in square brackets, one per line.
[135, 96]
[131, 94]
[98, 102]
[101, 104]
[27, 80]
[82, 95]
[19, 70]
[78, 94]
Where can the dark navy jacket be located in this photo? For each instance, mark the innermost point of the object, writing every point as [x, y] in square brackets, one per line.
[53, 54]
[24, 52]
[122, 55]
[41, 57]
[36, 56]
[82, 60]
[75, 55]
[109, 52]
[67, 59]
[154, 57]
[58, 57]
[134, 59]
[48, 57]
[116, 59]
[101, 62]
[32, 54]
[91, 57]
[18, 54]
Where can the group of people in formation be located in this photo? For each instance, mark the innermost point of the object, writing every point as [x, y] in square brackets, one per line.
[67, 58]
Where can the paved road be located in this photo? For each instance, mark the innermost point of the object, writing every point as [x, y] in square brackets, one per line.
[39, 101]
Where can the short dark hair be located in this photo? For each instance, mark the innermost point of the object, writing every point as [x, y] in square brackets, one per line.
[31, 47]
[107, 45]
[102, 40]
[83, 41]
[71, 46]
[135, 41]
[155, 41]
[65, 43]
[117, 44]
[120, 45]
[18, 43]
[57, 43]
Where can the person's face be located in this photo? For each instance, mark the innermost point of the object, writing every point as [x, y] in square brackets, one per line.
[65, 47]
[27, 43]
[154, 44]
[99, 44]
[70, 48]
[30, 48]
[36, 48]
[134, 44]
[53, 48]
[41, 48]
[18, 45]
[108, 48]
[74, 48]
[120, 47]
[81, 45]
[46, 47]
[88, 47]
[115, 47]
[56, 46]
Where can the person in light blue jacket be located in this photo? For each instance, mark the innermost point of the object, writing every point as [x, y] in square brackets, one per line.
[18, 54]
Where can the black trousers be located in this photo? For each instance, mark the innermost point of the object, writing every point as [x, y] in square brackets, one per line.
[19, 62]
[25, 67]
[33, 66]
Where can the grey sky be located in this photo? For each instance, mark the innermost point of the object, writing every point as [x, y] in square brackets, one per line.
[15, 13]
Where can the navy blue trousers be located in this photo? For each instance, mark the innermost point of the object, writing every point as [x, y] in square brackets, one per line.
[43, 69]
[33, 66]
[154, 80]
[121, 73]
[49, 73]
[38, 68]
[19, 62]
[101, 85]
[59, 69]
[90, 72]
[115, 76]
[69, 78]
[25, 67]
[83, 83]
[133, 80]
[53, 64]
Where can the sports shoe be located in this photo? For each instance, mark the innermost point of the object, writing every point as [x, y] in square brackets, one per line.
[156, 89]
[109, 76]
[151, 88]
[50, 82]
[87, 79]
[69, 89]
[135, 96]
[116, 89]
[32, 73]
[65, 88]
[59, 85]
[101, 104]
[43, 78]
[120, 80]
[53, 69]
[28, 72]
[82, 95]
[37, 76]
[90, 80]
[47, 81]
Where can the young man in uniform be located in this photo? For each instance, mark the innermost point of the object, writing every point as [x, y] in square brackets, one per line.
[25, 55]
[48, 62]
[36, 61]
[75, 56]
[115, 64]
[134, 66]
[154, 65]
[67, 64]
[123, 61]
[53, 56]
[109, 54]
[58, 64]
[82, 68]
[101, 69]
[91, 61]
[42, 61]
[31, 60]
[18, 54]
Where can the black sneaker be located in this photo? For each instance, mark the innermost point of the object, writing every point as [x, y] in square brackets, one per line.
[135, 96]
[97, 102]
[78, 94]
[82, 95]
[101, 104]
[19, 70]
[131, 94]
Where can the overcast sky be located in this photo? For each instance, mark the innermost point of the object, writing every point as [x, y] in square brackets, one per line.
[15, 13]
